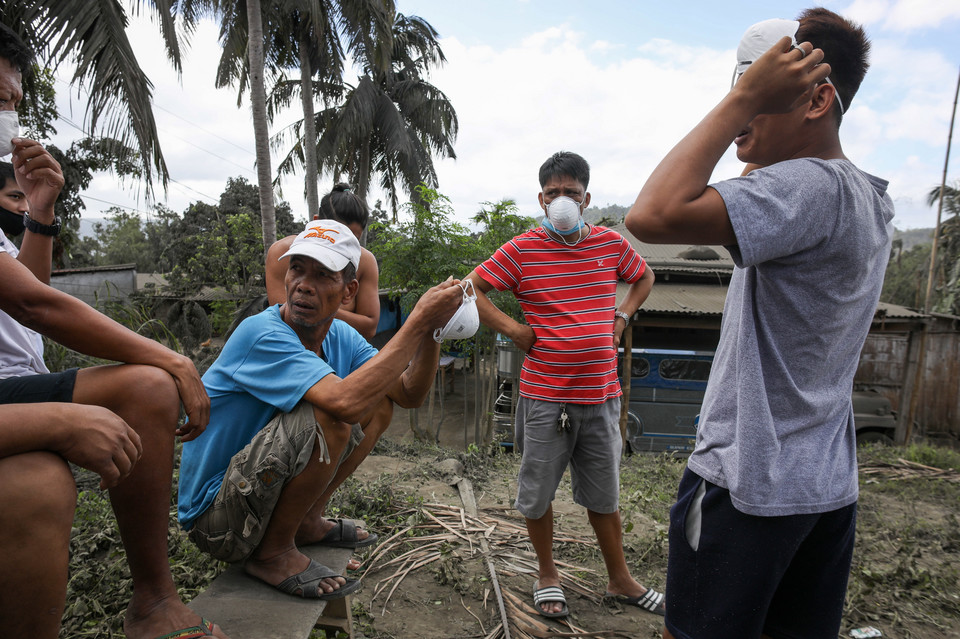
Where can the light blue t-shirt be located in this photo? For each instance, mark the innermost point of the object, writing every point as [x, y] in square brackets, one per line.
[263, 369]
[776, 426]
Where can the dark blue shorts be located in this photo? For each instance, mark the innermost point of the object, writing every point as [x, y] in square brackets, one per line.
[33, 389]
[735, 575]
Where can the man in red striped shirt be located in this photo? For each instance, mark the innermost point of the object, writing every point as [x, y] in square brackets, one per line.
[564, 275]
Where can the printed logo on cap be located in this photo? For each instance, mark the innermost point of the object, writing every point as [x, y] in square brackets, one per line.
[321, 234]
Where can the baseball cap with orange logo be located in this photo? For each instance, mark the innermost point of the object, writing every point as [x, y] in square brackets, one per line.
[328, 242]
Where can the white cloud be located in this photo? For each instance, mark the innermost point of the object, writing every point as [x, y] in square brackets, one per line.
[604, 45]
[518, 105]
[904, 15]
[907, 15]
[867, 12]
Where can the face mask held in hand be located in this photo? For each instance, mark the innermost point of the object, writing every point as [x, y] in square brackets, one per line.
[465, 321]
[9, 129]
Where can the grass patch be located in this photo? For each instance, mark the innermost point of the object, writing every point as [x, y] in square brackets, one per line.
[934, 456]
[648, 486]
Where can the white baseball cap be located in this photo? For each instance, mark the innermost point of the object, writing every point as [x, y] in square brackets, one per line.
[759, 38]
[328, 242]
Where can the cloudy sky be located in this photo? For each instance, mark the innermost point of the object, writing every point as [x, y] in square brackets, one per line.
[618, 81]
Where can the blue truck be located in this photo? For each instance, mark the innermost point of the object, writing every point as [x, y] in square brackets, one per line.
[667, 388]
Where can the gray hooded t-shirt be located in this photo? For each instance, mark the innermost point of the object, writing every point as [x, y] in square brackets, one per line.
[776, 427]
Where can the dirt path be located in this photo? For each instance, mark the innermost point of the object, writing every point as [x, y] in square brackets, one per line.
[453, 596]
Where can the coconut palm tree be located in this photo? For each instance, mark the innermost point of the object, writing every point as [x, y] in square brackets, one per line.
[316, 28]
[303, 34]
[951, 198]
[390, 123]
[948, 257]
[247, 50]
[93, 36]
[258, 105]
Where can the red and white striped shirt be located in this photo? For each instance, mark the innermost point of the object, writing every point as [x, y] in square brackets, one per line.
[568, 295]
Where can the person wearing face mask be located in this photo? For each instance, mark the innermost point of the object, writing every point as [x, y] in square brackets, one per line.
[21, 349]
[118, 421]
[564, 274]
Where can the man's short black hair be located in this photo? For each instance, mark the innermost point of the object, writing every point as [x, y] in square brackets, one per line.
[565, 164]
[845, 48]
[13, 49]
[345, 206]
[6, 173]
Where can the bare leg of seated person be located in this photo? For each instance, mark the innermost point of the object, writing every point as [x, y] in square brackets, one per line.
[277, 556]
[314, 526]
[146, 398]
[37, 500]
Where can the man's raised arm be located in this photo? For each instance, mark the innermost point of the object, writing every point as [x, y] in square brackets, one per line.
[348, 399]
[676, 205]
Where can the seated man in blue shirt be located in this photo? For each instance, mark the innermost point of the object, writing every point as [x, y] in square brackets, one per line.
[298, 399]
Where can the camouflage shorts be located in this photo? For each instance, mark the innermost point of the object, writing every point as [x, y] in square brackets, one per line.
[233, 526]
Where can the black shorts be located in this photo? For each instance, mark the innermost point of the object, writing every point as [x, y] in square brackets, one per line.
[33, 389]
[733, 575]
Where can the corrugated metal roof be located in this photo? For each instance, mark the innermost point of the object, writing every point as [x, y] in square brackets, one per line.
[704, 299]
[95, 269]
[687, 299]
[894, 311]
[668, 255]
[708, 299]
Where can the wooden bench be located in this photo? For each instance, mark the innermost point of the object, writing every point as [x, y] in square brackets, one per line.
[247, 608]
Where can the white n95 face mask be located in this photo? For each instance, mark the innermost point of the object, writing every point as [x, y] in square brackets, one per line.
[563, 213]
[9, 129]
[465, 321]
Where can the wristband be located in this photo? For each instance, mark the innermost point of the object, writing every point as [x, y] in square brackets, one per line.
[622, 315]
[51, 230]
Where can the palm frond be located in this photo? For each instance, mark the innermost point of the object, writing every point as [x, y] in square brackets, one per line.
[94, 34]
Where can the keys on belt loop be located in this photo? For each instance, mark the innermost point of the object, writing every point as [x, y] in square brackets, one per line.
[563, 423]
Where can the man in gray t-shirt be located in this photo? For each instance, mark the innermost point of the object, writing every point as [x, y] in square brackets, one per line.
[762, 534]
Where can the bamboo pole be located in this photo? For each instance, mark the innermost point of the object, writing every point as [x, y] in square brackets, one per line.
[930, 272]
[943, 185]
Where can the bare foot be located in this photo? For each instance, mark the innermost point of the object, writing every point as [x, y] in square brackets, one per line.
[273, 570]
[550, 606]
[146, 620]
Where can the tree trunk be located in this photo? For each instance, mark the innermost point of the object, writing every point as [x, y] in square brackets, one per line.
[258, 103]
[309, 130]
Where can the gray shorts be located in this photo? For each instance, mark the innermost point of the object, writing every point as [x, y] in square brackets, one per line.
[232, 527]
[591, 446]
